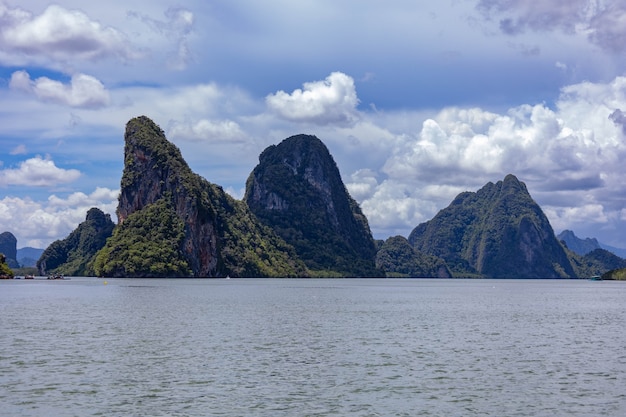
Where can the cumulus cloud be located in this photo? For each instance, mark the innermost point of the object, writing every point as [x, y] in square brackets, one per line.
[207, 130]
[329, 102]
[362, 183]
[83, 90]
[37, 224]
[604, 23]
[37, 172]
[61, 35]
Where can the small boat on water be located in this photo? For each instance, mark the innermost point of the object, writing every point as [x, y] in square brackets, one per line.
[595, 278]
[56, 276]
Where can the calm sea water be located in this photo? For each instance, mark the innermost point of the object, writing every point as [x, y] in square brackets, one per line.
[312, 348]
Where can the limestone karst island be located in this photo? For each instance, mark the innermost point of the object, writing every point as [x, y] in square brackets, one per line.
[297, 219]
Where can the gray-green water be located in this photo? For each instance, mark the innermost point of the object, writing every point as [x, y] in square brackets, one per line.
[312, 348]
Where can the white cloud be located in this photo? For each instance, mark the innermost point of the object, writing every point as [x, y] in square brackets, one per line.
[207, 130]
[37, 172]
[362, 184]
[83, 91]
[99, 196]
[37, 224]
[394, 209]
[332, 101]
[585, 213]
[61, 35]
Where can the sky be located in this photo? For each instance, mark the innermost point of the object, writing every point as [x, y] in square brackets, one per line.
[416, 100]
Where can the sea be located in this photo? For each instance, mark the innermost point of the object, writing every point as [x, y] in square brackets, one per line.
[312, 347]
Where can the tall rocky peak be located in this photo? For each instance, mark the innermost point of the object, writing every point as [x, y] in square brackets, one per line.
[8, 246]
[218, 235]
[498, 231]
[152, 167]
[297, 190]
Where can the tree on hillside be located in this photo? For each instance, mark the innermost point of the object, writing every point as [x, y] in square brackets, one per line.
[5, 271]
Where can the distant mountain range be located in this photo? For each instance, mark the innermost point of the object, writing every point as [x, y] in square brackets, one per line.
[15, 258]
[584, 246]
[28, 256]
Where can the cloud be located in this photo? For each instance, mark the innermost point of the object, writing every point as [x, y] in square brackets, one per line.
[18, 150]
[329, 102]
[608, 27]
[61, 35]
[178, 26]
[37, 224]
[562, 218]
[83, 91]
[207, 130]
[37, 172]
[540, 16]
[603, 23]
[363, 183]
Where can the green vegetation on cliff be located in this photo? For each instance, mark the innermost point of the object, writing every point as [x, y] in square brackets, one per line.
[75, 254]
[147, 244]
[220, 236]
[297, 220]
[616, 274]
[596, 262]
[5, 271]
[296, 190]
[398, 258]
[497, 232]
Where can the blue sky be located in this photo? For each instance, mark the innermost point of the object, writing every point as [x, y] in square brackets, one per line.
[416, 100]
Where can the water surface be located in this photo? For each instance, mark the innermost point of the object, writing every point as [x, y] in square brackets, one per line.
[287, 347]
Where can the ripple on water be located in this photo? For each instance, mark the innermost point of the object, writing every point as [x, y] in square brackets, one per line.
[314, 348]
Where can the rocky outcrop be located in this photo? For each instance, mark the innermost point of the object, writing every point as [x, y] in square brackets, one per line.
[296, 189]
[75, 254]
[398, 258]
[220, 236]
[8, 246]
[497, 232]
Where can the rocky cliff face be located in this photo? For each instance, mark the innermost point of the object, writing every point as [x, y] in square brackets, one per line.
[497, 232]
[221, 237]
[155, 169]
[8, 246]
[296, 189]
